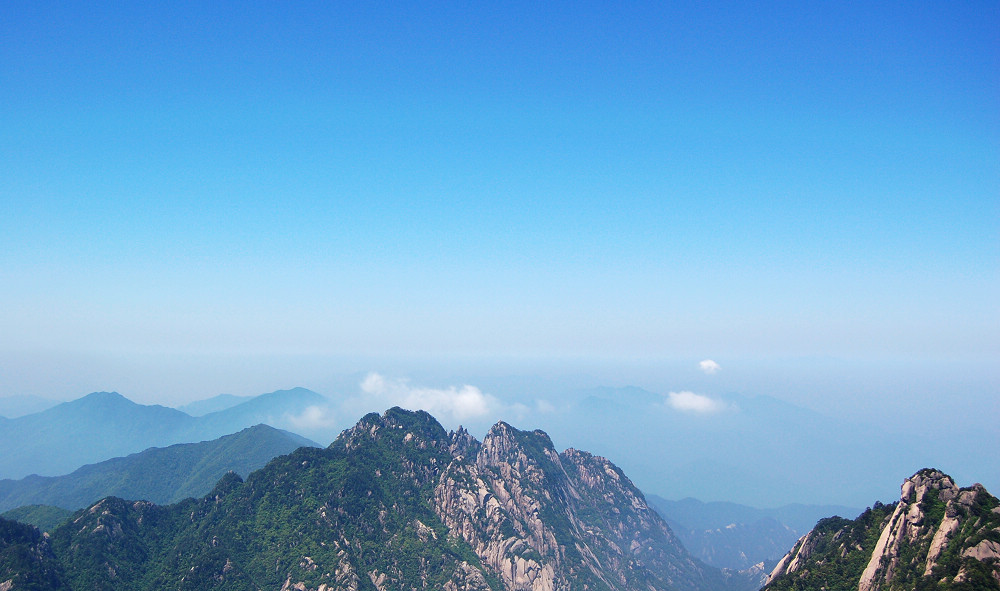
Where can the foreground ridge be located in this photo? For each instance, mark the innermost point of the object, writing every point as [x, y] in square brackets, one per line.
[937, 536]
[396, 502]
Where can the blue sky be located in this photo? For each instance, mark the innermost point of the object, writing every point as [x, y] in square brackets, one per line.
[190, 192]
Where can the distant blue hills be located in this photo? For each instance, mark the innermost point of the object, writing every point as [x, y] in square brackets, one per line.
[749, 449]
[730, 535]
[105, 425]
[160, 474]
[200, 408]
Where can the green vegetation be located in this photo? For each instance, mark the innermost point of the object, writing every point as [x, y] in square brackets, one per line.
[26, 560]
[161, 475]
[398, 503]
[843, 548]
[44, 517]
[839, 550]
[978, 523]
[342, 515]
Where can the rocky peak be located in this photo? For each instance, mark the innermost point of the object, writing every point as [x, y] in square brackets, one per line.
[918, 520]
[522, 451]
[597, 472]
[937, 531]
[417, 428]
[463, 444]
[915, 488]
[498, 445]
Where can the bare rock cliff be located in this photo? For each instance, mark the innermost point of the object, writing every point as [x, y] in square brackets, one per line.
[545, 521]
[937, 532]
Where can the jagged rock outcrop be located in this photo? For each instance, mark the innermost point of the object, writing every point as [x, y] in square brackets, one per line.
[936, 533]
[547, 521]
[394, 503]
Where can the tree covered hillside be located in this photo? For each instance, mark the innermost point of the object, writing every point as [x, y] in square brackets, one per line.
[394, 503]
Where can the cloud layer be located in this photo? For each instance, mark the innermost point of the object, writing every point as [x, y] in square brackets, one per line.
[459, 404]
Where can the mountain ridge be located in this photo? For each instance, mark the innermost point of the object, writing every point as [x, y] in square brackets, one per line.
[219, 402]
[394, 502]
[158, 474]
[104, 425]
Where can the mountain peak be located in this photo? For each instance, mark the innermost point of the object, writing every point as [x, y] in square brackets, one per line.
[103, 398]
[298, 393]
[507, 438]
[298, 390]
[395, 423]
[463, 443]
[505, 445]
[100, 402]
[935, 532]
[227, 484]
[917, 486]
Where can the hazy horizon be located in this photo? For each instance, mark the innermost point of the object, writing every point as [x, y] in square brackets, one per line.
[854, 458]
[899, 390]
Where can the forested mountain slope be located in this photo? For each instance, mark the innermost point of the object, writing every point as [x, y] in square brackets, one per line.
[159, 474]
[394, 503]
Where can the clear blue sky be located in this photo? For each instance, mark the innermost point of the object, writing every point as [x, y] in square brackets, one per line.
[741, 181]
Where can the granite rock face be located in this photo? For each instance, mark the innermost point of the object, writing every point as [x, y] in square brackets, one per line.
[936, 533]
[546, 521]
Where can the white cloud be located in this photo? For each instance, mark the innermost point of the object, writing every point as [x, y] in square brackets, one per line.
[697, 403]
[373, 384]
[457, 403]
[313, 418]
[708, 366]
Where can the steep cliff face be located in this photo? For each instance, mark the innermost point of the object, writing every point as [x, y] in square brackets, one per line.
[394, 503]
[937, 534]
[546, 521]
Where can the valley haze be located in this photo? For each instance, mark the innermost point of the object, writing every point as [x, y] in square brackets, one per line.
[755, 450]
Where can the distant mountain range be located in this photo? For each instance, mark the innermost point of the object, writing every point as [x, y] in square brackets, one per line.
[214, 404]
[937, 536]
[754, 450]
[161, 475]
[105, 425]
[394, 503]
[729, 535]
